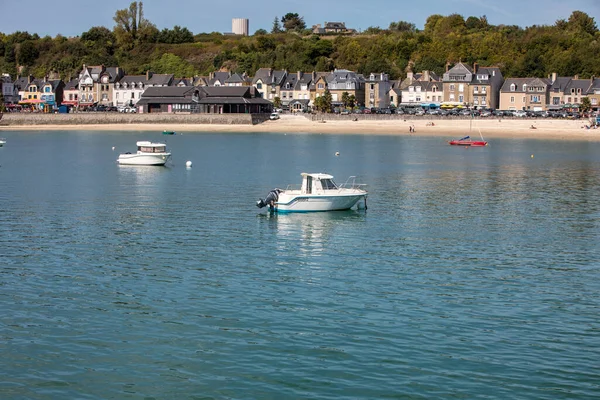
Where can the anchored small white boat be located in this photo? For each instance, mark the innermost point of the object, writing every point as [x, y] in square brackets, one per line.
[148, 153]
[2, 142]
[318, 192]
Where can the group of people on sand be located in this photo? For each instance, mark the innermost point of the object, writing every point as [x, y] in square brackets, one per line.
[411, 129]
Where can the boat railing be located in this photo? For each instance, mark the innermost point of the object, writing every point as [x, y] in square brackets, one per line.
[351, 184]
[294, 187]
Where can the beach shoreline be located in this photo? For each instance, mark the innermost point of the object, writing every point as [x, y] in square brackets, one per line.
[450, 128]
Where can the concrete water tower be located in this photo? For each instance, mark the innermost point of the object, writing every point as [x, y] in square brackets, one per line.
[240, 26]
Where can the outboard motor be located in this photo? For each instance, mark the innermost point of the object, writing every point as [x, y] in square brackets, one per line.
[270, 200]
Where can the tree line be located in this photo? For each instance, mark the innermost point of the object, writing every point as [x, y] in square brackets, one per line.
[568, 47]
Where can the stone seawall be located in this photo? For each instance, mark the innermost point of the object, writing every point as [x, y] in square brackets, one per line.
[99, 118]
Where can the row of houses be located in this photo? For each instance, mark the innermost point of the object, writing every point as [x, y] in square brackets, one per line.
[462, 85]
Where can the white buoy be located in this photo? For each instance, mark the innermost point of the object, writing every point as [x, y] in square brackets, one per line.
[113, 148]
[188, 164]
[337, 153]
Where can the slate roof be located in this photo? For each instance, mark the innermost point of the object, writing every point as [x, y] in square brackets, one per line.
[219, 76]
[73, 84]
[21, 82]
[237, 78]
[519, 82]
[594, 85]
[581, 84]
[129, 79]
[343, 75]
[227, 91]
[318, 75]
[269, 76]
[160, 79]
[559, 84]
[114, 73]
[168, 91]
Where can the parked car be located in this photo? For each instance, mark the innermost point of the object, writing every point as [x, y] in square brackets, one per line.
[274, 116]
[520, 113]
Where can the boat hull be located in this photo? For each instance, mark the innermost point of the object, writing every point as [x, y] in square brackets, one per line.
[158, 159]
[317, 203]
[473, 143]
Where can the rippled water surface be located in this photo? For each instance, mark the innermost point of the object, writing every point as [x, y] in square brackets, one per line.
[474, 273]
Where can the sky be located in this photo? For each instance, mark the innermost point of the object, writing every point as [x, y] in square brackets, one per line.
[55, 17]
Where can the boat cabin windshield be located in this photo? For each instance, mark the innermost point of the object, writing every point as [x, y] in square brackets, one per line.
[328, 184]
[152, 149]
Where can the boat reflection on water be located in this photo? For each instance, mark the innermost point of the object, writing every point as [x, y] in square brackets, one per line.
[311, 233]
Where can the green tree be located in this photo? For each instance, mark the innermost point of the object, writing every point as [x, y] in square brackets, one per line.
[177, 35]
[351, 101]
[28, 53]
[402, 26]
[323, 103]
[99, 35]
[293, 22]
[586, 105]
[171, 64]
[131, 27]
[260, 32]
[581, 22]
[276, 27]
[345, 97]
[277, 102]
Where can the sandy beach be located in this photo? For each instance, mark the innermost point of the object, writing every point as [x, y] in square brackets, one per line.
[450, 128]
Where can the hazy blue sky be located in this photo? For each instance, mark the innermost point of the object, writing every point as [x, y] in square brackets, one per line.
[72, 18]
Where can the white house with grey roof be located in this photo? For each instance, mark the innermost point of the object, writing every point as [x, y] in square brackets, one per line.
[129, 89]
[423, 88]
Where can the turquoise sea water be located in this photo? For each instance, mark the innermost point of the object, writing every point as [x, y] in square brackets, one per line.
[474, 273]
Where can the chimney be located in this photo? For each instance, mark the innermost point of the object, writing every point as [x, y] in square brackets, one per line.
[29, 79]
[148, 75]
[576, 77]
[314, 76]
[299, 75]
[211, 75]
[409, 75]
[426, 76]
[447, 66]
[553, 77]
[270, 71]
[475, 66]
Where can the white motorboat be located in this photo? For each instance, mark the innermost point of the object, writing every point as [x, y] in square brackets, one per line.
[148, 153]
[2, 142]
[318, 192]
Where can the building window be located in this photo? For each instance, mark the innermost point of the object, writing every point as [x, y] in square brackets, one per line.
[594, 101]
[461, 99]
[461, 88]
[452, 88]
[568, 100]
[512, 99]
[524, 99]
[512, 87]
